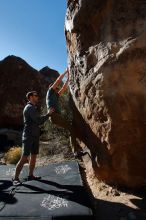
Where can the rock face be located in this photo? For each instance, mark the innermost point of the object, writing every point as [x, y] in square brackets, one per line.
[16, 79]
[107, 57]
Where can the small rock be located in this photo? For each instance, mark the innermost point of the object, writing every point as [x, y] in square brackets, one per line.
[2, 163]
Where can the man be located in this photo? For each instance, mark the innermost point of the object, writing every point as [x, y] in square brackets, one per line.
[30, 136]
[52, 101]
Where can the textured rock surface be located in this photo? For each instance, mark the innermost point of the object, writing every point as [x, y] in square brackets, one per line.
[16, 79]
[106, 42]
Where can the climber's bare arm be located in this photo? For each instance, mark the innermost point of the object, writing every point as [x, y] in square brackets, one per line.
[58, 81]
[65, 85]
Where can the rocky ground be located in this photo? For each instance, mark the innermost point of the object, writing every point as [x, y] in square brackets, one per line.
[109, 203]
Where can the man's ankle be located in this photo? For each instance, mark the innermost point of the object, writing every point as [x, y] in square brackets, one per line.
[16, 178]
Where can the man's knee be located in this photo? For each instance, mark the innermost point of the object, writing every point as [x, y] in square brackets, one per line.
[23, 160]
[33, 157]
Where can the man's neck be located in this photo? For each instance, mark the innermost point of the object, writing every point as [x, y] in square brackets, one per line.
[33, 103]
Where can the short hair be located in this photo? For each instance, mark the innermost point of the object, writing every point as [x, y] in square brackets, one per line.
[29, 94]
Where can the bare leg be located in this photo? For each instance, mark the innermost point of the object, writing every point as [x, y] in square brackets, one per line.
[19, 166]
[62, 122]
[32, 163]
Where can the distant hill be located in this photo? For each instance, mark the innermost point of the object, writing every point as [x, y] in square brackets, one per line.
[17, 77]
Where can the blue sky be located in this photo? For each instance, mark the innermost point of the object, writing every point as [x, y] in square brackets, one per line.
[34, 31]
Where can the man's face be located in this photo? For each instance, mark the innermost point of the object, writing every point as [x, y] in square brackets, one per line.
[35, 98]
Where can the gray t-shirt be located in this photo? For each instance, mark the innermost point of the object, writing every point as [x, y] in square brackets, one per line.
[32, 120]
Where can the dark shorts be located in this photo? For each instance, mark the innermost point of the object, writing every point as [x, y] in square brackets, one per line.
[30, 146]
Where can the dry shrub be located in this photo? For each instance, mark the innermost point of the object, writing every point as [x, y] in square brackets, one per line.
[13, 155]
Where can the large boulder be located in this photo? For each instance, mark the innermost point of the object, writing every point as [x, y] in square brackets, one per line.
[106, 43]
[17, 78]
[9, 137]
